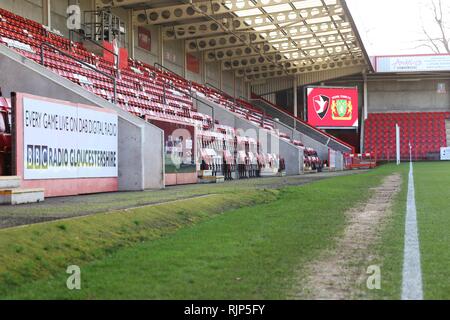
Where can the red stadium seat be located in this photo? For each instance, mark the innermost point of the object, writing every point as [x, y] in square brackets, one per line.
[425, 131]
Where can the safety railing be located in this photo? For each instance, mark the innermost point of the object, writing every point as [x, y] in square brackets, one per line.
[223, 93]
[83, 36]
[303, 127]
[171, 86]
[113, 79]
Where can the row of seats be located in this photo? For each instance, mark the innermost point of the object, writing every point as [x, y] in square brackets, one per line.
[223, 152]
[425, 131]
[141, 89]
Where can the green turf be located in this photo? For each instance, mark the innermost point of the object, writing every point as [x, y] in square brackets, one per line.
[249, 253]
[98, 203]
[41, 250]
[432, 181]
[388, 252]
[432, 184]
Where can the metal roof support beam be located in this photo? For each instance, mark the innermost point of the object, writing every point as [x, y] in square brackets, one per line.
[310, 42]
[223, 41]
[294, 68]
[313, 30]
[288, 59]
[317, 68]
[193, 30]
[226, 41]
[284, 48]
[234, 52]
[116, 3]
[289, 50]
[178, 13]
[186, 11]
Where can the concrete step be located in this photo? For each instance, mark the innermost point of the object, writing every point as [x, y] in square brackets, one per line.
[21, 196]
[212, 179]
[9, 182]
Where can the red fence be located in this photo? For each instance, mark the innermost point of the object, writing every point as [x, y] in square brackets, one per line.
[360, 161]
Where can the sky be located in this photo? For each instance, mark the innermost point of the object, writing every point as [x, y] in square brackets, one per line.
[390, 27]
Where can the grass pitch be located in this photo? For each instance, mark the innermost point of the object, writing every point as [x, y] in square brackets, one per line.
[432, 191]
[432, 184]
[235, 243]
[249, 253]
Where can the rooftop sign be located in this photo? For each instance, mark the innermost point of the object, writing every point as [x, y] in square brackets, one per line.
[413, 63]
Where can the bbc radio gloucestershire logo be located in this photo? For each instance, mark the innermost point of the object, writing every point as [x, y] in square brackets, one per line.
[37, 157]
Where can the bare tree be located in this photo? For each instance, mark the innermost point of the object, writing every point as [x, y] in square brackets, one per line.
[437, 36]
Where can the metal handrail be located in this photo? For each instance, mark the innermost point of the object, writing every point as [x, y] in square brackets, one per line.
[113, 79]
[264, 115]
[158, 65]
[304, 124]
[83, 36]
[220, 91]
[171, 86]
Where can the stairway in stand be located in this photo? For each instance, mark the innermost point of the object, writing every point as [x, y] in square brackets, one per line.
[11, 193]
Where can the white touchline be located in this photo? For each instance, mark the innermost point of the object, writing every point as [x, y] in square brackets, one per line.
[412, 273]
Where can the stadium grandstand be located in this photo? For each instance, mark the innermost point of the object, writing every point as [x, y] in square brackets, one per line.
[192, 67]
[218, 149]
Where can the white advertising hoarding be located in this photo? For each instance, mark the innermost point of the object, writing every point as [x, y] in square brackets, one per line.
[445, 154]
[419, 63]
[332, 155]
[67, 142]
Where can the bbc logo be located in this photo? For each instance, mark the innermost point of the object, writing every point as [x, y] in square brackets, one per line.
[37, 157]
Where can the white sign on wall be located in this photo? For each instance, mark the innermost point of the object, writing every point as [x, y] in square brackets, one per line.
[445, 154]
[332, 159]
[419, 63]
[64, 142]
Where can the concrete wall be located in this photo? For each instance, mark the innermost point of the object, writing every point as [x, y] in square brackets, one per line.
[58, 18]
[293, 157]
[149, 57]
[194, 76]
[228, 82]
[240, 87]
[340, 161]
[141, 164]
[407, 96]
[174, 58]
[213, 73]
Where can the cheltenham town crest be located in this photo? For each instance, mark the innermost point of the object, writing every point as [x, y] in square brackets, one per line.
[321, 105]
[341, 108]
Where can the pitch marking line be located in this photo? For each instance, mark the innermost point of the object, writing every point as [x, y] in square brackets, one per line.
[412, 272]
